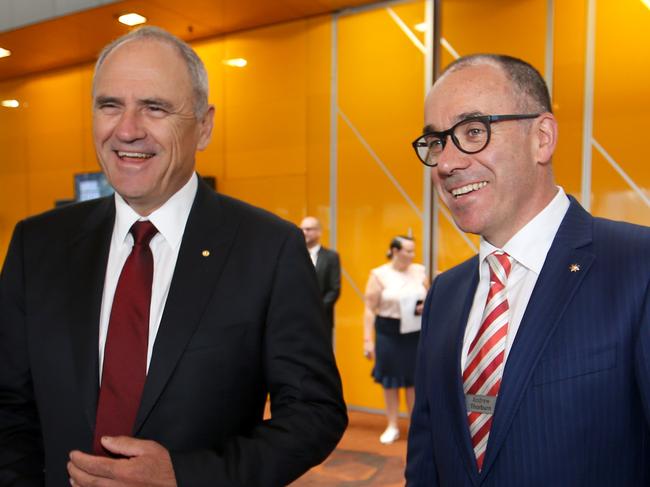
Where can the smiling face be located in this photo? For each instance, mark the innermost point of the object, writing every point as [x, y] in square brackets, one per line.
[494, 192]
[145, 130]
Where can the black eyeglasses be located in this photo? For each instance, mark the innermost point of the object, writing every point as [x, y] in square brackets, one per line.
[470, 136]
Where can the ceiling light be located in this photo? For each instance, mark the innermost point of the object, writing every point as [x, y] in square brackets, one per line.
[132, 19]
[421, 27]
[10, 103]
[646, 3]
[236, 62]
[4, 52]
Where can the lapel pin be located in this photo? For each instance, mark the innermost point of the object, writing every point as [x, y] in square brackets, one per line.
[205, 253]
[574, 267]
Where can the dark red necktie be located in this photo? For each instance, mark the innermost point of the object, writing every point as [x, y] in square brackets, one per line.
[125, 352]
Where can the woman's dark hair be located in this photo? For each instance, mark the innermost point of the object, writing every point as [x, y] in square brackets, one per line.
[396, 243]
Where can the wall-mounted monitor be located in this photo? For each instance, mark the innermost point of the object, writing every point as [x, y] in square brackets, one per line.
[91, 185]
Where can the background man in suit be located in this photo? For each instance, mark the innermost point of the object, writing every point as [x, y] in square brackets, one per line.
[534, 358]
[328, 267]
[231, 316]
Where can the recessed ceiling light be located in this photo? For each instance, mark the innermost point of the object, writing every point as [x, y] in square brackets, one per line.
[10, 103]
[4, 52]
[132, 19]
[236, 62]
[421, 27]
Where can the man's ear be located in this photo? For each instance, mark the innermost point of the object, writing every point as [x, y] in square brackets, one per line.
[205, 131]
[545, 138]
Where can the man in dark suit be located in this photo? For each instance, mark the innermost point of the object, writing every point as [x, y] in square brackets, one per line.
[327, 264]
[231, 314]
[534, 360]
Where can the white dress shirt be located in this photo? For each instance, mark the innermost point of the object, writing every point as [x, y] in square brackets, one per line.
[170, 220]
[313, 253]
[528, 249]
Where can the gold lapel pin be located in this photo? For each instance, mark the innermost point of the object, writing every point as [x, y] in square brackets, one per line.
[574, 267]
[205, 253]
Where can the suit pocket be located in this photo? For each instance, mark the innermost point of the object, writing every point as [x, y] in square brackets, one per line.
[578, 364]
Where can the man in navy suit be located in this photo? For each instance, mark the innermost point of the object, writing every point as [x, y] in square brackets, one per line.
[534, 360]
[233, 317]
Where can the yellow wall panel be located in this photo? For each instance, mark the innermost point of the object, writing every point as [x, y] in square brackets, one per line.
[514, 27]
[412, 14]
[319, 42]
[273, 144]
[210, 162]
[568, 82]
[371, 212]
[265, 103]
[42, 143]
[358, 386]
[283, 195]
[621, 105]
[14, 197]
[381, 91]
[380, 96]
[88, 155]
[452, 247]
[13, 143]
[48, 185]
[612, 197]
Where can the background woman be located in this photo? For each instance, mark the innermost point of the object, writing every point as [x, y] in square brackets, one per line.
[393, 299]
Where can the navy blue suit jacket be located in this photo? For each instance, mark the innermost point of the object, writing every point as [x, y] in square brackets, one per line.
[574, 405]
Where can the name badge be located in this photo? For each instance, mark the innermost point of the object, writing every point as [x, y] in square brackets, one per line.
[480, 404]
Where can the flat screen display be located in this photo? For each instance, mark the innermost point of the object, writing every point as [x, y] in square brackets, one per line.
[91, 185]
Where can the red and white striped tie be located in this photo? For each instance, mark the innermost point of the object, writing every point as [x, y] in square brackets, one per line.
[484, 364]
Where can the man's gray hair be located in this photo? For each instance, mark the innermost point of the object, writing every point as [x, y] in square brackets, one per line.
[195, 67]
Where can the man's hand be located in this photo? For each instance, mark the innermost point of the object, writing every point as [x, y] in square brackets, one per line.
[148, 464]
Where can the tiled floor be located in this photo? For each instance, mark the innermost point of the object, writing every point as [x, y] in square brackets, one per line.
[360, 460]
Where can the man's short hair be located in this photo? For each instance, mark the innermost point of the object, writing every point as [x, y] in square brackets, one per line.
[526, 79]
[195, 67]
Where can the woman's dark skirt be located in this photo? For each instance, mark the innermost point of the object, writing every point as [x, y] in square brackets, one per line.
[394, 354]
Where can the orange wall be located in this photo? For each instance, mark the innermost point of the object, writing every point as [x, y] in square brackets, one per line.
[43, 143]
[621, 107]
[380, 94]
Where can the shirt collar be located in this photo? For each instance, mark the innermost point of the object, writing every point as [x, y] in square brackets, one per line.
[530, 245]
[314, 250]
[169, 219]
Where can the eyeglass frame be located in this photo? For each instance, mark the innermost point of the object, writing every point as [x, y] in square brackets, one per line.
[487, 120]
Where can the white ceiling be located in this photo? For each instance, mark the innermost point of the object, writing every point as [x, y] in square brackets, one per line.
[19, 13]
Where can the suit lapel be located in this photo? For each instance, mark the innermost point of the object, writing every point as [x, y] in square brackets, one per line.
[455, 316]
[552, 294]
[86, 269]
[320, 260]
[207, 240]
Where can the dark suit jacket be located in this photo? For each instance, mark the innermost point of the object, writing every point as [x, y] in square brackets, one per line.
[573, 409]
[328, 272]
[237, 325]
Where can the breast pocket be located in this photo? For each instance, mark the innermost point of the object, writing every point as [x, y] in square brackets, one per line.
[575, 365]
